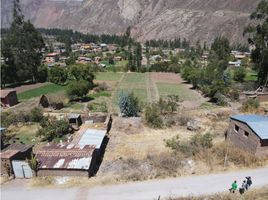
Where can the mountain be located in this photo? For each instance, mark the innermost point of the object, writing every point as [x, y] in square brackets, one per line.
[149, 19]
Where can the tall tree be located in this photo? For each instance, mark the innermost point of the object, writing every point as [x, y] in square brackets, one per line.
[258, 37]
[22, 48]
[221, 46]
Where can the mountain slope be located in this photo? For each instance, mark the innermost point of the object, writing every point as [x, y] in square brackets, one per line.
[149, 19]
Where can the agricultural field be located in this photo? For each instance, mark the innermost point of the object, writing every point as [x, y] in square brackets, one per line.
[136, 83]
[47, 89]
[108, 76]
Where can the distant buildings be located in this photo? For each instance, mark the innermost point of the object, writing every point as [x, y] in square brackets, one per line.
[52, 57]
[249, 132]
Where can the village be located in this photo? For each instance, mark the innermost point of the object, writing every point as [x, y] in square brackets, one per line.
[93, 115]
[81, 152]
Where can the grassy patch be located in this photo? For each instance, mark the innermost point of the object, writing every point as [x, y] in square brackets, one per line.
[251, 76]
[25, 134]
[108, 76]
[184, 93]
[76, 106]
[100, 94]
[47, 89]
[136, 83]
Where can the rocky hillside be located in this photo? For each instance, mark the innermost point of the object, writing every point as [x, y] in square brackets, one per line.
[149, 19]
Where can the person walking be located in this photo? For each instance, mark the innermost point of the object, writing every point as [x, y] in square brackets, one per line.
[243, 187]
[234, 187]
[248, 182]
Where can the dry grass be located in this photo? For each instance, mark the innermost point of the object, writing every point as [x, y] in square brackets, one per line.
[256, 194]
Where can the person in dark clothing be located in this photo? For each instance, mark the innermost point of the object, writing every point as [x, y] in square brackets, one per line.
[249, 182]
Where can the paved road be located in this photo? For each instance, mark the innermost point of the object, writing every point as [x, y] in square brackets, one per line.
[148, 190]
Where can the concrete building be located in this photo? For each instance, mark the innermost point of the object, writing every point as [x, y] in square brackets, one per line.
[8, 98]
[249, 132]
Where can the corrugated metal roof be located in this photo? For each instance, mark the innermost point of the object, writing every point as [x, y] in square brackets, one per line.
[74, 116]
[258, 123]
[59, 157]
[92, 137]
[13, 149]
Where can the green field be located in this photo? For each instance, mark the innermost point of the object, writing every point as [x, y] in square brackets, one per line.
[136, 83]
[47, 89]
[108, 76]
[183, 92]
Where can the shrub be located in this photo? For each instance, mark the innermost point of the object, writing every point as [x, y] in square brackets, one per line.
[250, 105]
[128, 104]
[234, 94]
[53, 128]
[239, 74]
[57, 75]
[42, 74]
[98, 107]
[77, 89]
[101, 87]
[220, 99]
[153, 117]
[36, 115]
[189, 148]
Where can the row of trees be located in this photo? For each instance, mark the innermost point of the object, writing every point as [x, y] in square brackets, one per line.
[75, 37]
[176, 43]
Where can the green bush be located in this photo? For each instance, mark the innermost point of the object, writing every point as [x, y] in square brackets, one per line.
[153, 116]
[77, 89]
[189, 148]
[239, 74]
[98, 107]
[250, 105]
[42, 74]
[128, 104]
[53, 128]
[36, 115]
[57, 75]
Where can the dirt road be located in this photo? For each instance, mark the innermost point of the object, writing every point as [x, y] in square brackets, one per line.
[149, 190]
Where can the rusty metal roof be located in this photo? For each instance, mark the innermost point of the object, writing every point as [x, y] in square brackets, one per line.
[13, 149]
[63, 157]
[4, 93]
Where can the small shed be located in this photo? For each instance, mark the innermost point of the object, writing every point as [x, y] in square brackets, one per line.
[75, 120]
[249, 132]
[9, 98]
[15, 153]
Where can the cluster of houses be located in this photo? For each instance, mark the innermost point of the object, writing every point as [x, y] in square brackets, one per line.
[81, 155]
[56, 57]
